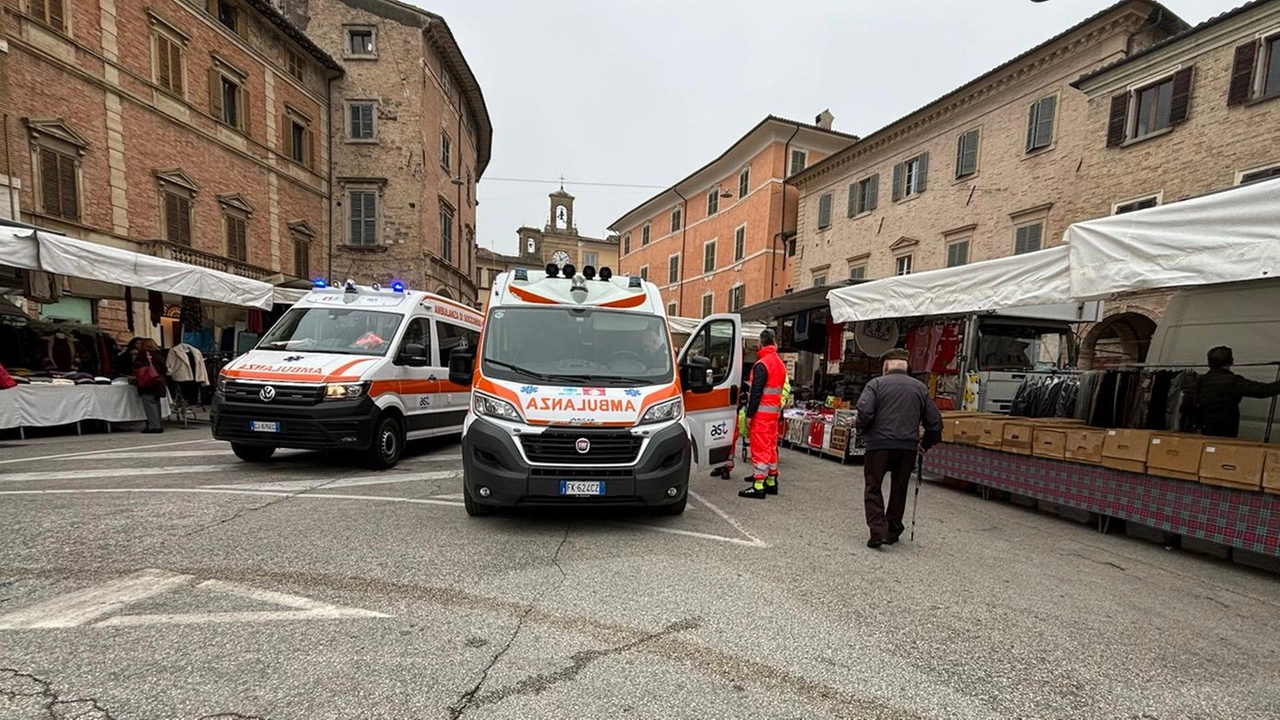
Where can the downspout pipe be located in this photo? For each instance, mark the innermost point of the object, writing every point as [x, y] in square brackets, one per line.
[782, 222]
[684, 234]
[328, 91]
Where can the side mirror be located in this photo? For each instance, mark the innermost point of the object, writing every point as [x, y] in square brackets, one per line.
[462, 363]
[414, 355]
[696, 374]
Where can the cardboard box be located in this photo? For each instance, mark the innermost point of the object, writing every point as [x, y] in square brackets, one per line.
[1127, 444]
[1085, 445]
[1176, 456]
[1233, 464]
[1050, 443]
[1018, 437]
[1271, 471]
[967, 431]
[992, 434]
[1115, 463]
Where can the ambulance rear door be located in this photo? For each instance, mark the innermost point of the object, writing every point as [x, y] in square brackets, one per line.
[710, 416]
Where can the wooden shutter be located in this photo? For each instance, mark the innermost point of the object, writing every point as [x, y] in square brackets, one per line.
[922, 171]
[853, 199]
[57, 17]
[39, 9]
[369, 213]
[215, 94]
[1047, 110]
[897, 182]
[824, 211]
[1119, 120]
[873, 197]
[1180, 107]
[68, 197]
[164, 67]
[355, 215]
[49, 195]
[175, 64]
[1242, 73]
[243, 92]
[172, 228]
[961, 143]
[313, 149]
[967, 154]
[1033, 117]
[184, 221]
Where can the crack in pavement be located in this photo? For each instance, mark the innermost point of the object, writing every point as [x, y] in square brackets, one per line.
[537, 684]
[43, 690]
[231, 716]
[467, 700]
[274, 501]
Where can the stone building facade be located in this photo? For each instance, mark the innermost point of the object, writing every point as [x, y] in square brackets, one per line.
[188, 129]
[1217, 130]
[718, 239]
[411, 139]
[490, 265]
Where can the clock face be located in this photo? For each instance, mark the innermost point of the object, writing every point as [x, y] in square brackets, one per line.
[560, 258]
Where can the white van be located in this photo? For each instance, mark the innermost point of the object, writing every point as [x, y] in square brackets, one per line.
[348, 368]
[1244, 316]
[578, 397]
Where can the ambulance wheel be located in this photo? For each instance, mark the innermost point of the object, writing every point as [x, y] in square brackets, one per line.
[253, 453]
[388, 443]
[676, 508]
[475, 509]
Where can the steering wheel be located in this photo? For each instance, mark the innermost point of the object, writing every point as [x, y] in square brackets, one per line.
[628, 355]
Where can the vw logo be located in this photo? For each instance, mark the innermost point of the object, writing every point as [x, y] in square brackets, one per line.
[583, 446]
[267, 394]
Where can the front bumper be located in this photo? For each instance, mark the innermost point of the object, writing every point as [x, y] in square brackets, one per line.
[338, 425]
[491, 459]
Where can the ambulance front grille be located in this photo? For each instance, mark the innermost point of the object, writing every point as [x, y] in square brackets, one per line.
[560, 447]
[244, 392]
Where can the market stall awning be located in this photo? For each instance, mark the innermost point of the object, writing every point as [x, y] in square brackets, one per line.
[1223, 237]
[39, 250]
[686, 326]
[1019, 281]
[813, 298]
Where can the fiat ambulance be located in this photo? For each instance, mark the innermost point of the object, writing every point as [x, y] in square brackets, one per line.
[579, 398]
[353, 368]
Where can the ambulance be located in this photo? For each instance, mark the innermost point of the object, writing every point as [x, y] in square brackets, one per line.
[363, 369]
[578, 396]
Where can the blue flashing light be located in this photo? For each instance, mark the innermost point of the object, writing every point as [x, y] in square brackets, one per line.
[522, 274]
[397, 286]
[319, 284]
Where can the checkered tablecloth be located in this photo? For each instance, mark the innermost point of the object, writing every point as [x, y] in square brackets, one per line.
[1236, 518]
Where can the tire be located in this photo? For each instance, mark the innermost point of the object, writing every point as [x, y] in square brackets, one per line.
[675, 508]
[387, 445]
[475, 509]
[253, 453]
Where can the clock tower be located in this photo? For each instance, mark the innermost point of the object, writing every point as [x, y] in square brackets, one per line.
[560, 243]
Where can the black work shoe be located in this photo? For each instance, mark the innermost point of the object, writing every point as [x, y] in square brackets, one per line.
[874, 543]
[721, 472]
[771, 489]
[891, 541]
[754, 493]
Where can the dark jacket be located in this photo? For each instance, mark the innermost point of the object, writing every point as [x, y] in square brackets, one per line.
[143, 358]
[1218, 396]
[891, 410]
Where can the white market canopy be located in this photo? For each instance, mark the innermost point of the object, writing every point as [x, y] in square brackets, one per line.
[36, 250]
[686, 326]
[1224, 237]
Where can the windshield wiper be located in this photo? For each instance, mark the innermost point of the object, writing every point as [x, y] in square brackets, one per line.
[516, 368]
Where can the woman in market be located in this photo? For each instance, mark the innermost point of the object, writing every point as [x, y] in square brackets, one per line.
[153, 383]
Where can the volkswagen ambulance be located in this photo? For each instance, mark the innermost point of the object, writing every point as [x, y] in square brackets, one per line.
[579, 398]
[353, 368]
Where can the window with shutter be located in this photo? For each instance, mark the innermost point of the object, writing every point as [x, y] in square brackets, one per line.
[446, 232]
[360, 120]
[644, 273]
[744, 182]
[237, 238]
[1271, 67]
[858, 272]
[362, 215]
[897, 181]
[673, 269]
[967, 154]
[50, 193]
[909, 176]
[644, 235]
[65, 188]
[1153, 108]
[1180, 105]
[708, 304]
[177, 219]
[294, 66]
[713, 201]
[446, 151]
[298, 142]
[301, 259]
[1242, 73]
[824, 211]
[740, 243]
[675, 220]
[626, 244]
[1040, 122]
[1254, 176]
[1135, 205]
[799, 161]
[709, 257]
[1027, 238]
[902, 265]
[737, 298]
[1118, 120]
[52, 13]
[958, 253]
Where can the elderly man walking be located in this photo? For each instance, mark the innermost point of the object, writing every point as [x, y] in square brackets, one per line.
[891, 410]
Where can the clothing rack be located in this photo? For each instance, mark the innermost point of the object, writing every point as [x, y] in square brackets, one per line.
[1271, 413]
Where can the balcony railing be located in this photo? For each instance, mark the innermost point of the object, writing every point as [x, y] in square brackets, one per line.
[200, 258]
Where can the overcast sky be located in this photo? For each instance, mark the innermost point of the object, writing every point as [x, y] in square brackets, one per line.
[643, 92]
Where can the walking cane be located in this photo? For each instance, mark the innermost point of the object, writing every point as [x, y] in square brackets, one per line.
[915, 502]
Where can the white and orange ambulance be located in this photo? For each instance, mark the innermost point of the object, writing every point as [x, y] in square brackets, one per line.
[578, 397]
[348, 368]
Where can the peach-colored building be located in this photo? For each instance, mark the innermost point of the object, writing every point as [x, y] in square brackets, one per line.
[719, 239]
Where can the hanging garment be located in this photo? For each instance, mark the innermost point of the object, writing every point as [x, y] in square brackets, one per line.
[128, 308]
[155, 305]
[62, 353]
[945, 359]
[186, 364]
[918, 348]
[254, 321]
[1180, 410]
[192, 317]
[42, 287]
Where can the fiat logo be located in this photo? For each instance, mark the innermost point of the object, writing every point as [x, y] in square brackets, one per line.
[267, 394]
[583, 446]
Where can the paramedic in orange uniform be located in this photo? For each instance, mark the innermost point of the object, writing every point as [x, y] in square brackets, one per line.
[764, 409]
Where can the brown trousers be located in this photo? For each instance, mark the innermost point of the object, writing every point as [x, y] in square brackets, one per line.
[898, 464]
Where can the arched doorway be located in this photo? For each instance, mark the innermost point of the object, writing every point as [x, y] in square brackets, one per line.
[1117, 340]
[444, 293]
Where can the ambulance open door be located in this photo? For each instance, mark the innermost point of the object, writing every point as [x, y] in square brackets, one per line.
[714, 349]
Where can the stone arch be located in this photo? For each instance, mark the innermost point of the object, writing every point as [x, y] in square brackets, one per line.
[444, 293]
[1121, 338]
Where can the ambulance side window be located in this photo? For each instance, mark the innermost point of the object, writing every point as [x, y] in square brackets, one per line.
[418, 333]
[715, 341]
[453, 336]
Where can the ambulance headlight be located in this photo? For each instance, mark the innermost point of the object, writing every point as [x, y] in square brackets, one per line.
[222, 384]
[344, 391]
[663, 412]
[490, 406]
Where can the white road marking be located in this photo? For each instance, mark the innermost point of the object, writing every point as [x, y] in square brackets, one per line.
[110, 472]
[101, 452]
[83, 606]
[123, 455]
[304, 609]
[454, 457]
[755, 541]
[300, 485]
[701, 536]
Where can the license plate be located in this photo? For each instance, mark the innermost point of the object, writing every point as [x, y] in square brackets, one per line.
[266, 427]
[576, 487]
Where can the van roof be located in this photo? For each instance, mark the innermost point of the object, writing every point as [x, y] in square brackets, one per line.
[386, 299]
[534, 288]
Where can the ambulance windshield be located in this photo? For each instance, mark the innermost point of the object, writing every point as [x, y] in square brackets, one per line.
[577, 347]
[340, 331]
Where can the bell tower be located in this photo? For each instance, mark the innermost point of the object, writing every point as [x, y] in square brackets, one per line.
[562, 213]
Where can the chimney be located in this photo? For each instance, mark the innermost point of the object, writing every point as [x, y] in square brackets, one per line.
[824, 120]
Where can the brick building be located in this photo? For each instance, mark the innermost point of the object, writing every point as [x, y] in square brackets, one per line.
[411, 138]
[1188, 116]
[491, 264]
[184, 129]
[717, 240]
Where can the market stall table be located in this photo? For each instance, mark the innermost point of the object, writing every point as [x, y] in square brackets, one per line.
[50, 405]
